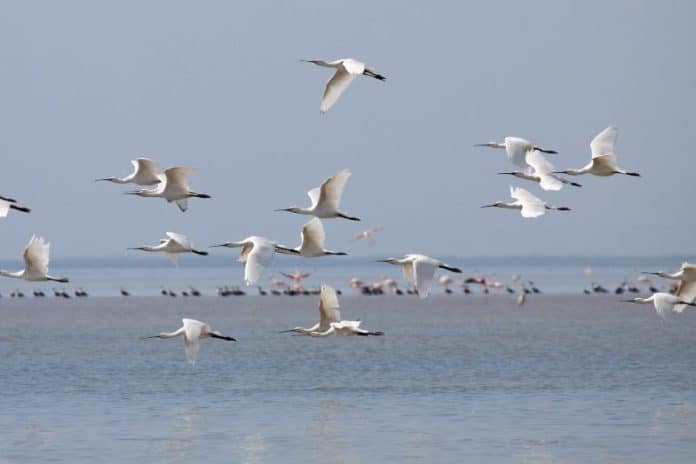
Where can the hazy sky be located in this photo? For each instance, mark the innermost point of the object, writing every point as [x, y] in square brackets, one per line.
[87, 86]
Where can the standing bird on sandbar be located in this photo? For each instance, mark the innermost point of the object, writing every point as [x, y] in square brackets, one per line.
[529, 205]
[419, 271]
[173, 187]
[145, 172]
[347, 69]
[312, 245]
[36, 258]
[172, 246]
[193, 331]
[603, 161]
[326, 199]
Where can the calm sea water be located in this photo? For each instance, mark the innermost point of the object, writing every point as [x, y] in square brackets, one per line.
[455, 379]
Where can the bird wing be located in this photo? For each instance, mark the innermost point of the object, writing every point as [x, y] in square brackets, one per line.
[332, 189]
[423, 272]
[516, 149]
[664, 304]
[4, 208]
[689, 271]
[36, 257]
[329, 308]
[335, 87]
[182, 240]
[314, 196]
[145, 169]
[603, 143]
[313, 236]
[257, 259]
[544, 170]
[192, 335]
[407, 269]
[177, 179]
[686, 292]
[604, 162]
[531, 206]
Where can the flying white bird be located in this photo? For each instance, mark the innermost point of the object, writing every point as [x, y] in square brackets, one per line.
[312, 245]
[516, 149]
[35, 263]
[367, 234]
[346, 70]
[145, 172]
[173, 187]
[296, 277]
[257, 254]
[173, 246]
[6, 204]
[330, 318]
[193, 331]
[529, 205]
[329, 312]
[665, 303]
[603, 161]
[686, 289]
[540, 170]
[419, 270]
[326, 198]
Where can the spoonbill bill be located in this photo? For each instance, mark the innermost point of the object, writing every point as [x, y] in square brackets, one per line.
[145, 172]
[257, 254]
[36, 258]
[419, 270]
[312, 245]
[326, 199]
[664, 303]
[6, 204]
[172, 246]
[173, 187]
[529, 205]
[347, 69]
[192, 331]
[603, 161]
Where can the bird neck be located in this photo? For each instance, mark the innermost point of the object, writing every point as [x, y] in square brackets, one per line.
[16, 274]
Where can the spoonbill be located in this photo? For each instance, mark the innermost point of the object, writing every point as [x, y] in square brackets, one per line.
[296, 277]
[529, 205]
[312, 245]
[664, 303]
[326, 198]
[368, 234]
[6, 204]
[173, 246]
[193, 331]
[145, 172]
[419, 270]
[516, 149]
[347, 69]
[257, 254]
[686, 290]
[540, 170]
[35, 263]
[173, 187]
[329, 312]
[603, 161]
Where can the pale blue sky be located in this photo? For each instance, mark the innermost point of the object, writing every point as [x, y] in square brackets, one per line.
[88, 86]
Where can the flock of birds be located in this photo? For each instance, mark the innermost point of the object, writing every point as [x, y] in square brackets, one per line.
[418, 270]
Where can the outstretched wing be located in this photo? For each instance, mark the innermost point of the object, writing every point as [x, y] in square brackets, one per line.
[544, 170]
[182, 240]
[603, 143]
[314, 196]
[335, 87]
[4, 207]
[177, 179]
[516, 149]
[36, 257]
[686, 292]
[423, 273]
[332, 189]
[313, 236]
[329, 308]
[146, 171]
[192, 336]
[257, 260]
[531, 206]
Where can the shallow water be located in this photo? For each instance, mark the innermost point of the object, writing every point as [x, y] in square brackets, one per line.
[563, 379]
